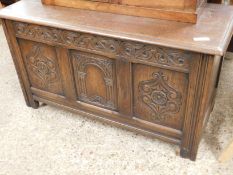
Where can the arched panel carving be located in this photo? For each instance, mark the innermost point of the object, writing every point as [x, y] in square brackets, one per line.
[81, 61]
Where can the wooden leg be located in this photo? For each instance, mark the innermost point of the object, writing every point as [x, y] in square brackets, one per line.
[35, 105]
[227, 154]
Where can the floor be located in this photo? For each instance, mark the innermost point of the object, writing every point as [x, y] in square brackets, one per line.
[50, 141]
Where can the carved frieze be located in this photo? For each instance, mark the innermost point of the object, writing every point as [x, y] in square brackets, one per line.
[116, 48]
[160, 97]
[81, 61]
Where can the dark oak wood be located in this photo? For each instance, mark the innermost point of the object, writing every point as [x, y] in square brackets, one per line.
[142, 78]
[8, 2]
[215, 1]
[230, 49]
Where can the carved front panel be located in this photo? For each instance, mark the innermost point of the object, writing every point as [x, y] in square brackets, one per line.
[159, 74]
[95, 79]
[159, 95]
[42, 66]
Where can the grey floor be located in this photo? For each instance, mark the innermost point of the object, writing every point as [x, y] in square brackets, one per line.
[52, 141]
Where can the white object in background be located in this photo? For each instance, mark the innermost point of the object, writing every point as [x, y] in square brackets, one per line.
[227, 154]
[201, 39]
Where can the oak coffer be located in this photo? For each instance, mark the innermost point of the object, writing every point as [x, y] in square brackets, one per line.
[155, 77]
[178, 10]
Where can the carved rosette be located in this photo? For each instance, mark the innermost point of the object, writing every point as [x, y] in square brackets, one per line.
[43, 67]
[82, 60]
[163, 100]
[120, 49]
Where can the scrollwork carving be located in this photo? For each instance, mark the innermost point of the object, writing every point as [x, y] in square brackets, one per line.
[160, 97]
[153, 54]
[120, 49]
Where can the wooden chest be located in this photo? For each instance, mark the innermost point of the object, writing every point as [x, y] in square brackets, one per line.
[178, 10]
[155, 77]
